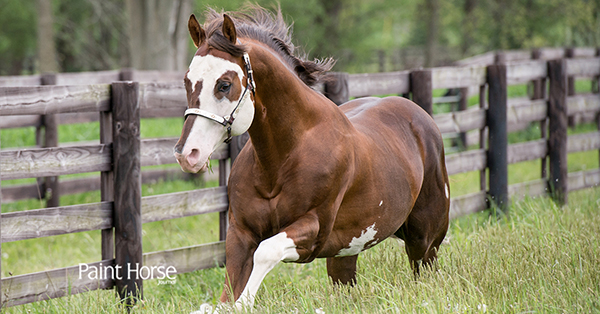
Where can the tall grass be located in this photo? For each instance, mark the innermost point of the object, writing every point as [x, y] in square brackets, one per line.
[540, 259]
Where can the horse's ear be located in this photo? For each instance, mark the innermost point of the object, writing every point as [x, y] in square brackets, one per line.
[197, 33]
[229, 29]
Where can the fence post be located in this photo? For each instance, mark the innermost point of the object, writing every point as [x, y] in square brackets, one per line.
[570, 54]
[336, 87]
[483, 135]
[500, 57]
[596, 90]
[421, 88]
[126, 74]
[127, 190]
[463, 104]
[498, 144]
[223, 175]
[1, 291]
[51, 187]
[539, 92]
[106, 185]
[558, 122]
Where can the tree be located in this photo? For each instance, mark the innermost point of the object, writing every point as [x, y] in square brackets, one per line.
[17, 37]
[158, 38]
[468, 26]
[432, 8]
[45, 37]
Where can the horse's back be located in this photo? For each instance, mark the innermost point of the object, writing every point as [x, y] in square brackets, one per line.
[394, 119]
[401, 133]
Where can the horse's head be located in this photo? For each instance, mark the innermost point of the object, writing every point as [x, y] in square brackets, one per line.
[219, 85]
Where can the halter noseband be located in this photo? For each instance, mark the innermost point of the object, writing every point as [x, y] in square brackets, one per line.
[227, 120]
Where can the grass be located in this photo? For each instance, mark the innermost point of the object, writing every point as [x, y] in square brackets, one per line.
[542, 259]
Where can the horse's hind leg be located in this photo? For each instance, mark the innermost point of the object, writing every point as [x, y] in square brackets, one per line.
[342, 270]
[426, 226]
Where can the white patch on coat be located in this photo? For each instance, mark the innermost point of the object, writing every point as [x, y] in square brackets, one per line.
[278, 248]
[447, 190]
[357, 245]
[381, 203]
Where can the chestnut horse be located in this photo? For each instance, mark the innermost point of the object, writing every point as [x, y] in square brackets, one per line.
[314, 180]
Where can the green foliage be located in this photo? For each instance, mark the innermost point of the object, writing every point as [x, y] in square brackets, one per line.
[17, 36]
[92, 35]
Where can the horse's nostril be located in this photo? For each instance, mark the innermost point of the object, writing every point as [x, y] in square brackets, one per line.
[177, 150]
[193, 157]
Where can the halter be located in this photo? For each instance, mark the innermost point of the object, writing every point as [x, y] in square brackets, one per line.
[227, 120]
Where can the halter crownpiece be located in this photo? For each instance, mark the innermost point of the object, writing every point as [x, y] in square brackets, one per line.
[227, 120]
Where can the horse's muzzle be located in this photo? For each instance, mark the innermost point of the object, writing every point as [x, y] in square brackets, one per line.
[190, 162]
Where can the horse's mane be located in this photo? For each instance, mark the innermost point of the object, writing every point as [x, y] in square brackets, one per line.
[257, 23]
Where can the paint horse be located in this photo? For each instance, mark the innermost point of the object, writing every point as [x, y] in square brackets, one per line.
[315, 180]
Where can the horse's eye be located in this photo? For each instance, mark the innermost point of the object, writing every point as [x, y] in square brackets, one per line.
[224, 87]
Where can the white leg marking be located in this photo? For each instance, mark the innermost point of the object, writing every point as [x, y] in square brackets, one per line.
[269, 253]
[357, 245]
[447, 190]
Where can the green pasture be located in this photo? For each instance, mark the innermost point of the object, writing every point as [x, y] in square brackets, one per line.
[544, 259]
[541, 259]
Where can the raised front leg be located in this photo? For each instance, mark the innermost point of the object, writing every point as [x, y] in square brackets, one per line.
[247, 266]
[294, 243]
[268, 254]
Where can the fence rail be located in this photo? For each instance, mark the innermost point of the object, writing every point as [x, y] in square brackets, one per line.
[492, 118]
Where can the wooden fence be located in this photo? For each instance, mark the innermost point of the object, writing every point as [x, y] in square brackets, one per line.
[121, 212]
[121, 153]
[495, 115]
[47, 131]
[47, 125]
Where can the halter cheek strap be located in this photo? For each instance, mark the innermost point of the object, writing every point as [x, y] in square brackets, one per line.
[227, 121]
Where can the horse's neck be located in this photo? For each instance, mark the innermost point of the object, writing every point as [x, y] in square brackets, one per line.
[285, 109]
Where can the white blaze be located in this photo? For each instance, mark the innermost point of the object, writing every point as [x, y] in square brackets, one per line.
[357, 245]
[206, 135]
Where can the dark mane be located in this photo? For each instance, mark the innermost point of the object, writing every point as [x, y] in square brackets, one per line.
[257, 23]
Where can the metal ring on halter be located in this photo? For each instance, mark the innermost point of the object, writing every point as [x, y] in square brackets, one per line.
[227, 121]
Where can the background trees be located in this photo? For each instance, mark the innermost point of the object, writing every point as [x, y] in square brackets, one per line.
[364, 35]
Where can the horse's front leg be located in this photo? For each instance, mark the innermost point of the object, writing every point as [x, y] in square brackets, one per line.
[239, 249]
[247, 265]
[294, 243]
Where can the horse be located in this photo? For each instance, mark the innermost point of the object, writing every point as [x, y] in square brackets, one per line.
[314, 180]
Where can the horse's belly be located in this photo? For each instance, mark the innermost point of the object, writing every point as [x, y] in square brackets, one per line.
[362, 226]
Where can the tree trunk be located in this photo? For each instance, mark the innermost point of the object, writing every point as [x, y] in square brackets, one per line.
[45, 37]
[178, 33]
[432, 7]
[468, 26]
[157, 34]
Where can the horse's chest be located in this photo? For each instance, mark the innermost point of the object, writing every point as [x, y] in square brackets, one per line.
[266, 215]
